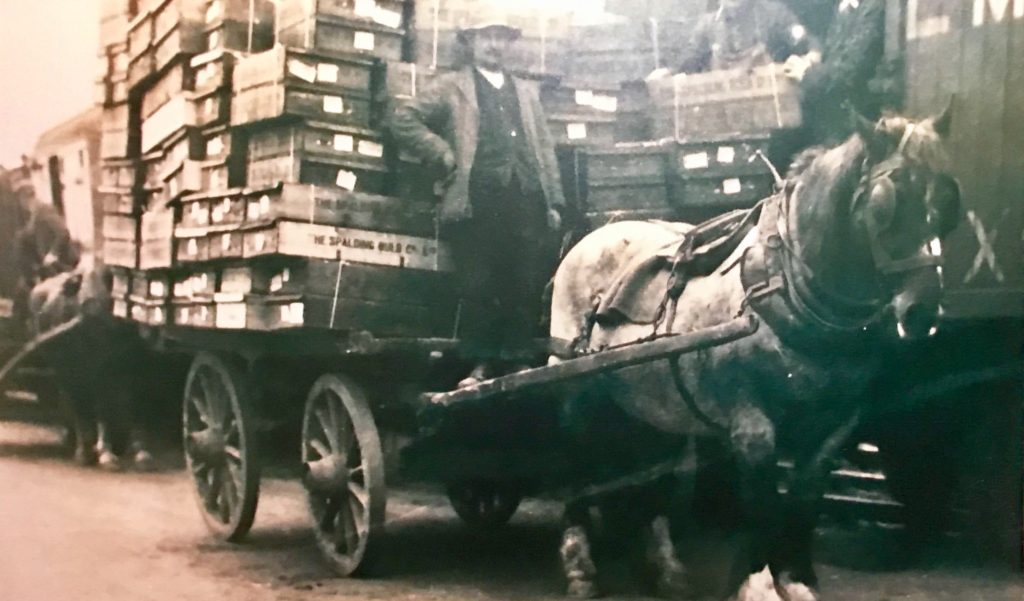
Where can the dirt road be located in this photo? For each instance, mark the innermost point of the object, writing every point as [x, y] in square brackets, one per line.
[68, 533]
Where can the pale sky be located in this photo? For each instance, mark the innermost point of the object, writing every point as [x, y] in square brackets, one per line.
[48, 64]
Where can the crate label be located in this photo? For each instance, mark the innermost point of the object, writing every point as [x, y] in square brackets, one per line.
[183, 316]
[198, 214]
[204, 75]
[365, 8]
[346, 179]
[344, 143]
[732, 186]
[576, 131]
[371, 148]
[6, 307]
[231, 316]
[363, 40]
[120, 309]
[334, 104]
[192, 248]
[138, 313]
[605, 103]
[726, 154]
[387, 18]
[276, 283]
[584, 97]
[217, 214]
[252, 210]
[327, 72]
[695, 160]
[259, 241]
[225, 242]
[215, 147]
[293, 314]
[183, 289]
[361, 246]
[157, 289]
[303, 71]
[158, 316]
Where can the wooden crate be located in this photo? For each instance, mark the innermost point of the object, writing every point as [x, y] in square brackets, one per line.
[120, 227]
[389, 13]
[153, 166]
[226, 245]
[219, 174]
[724, 193]
[735, 101]
[212, 109]
[117, 201]
[287, 238]
[157, 239]
[318, 170]
[183, 42]
[238, 36]
[212, 70]
[403, 81]
[587, 128]
[169, 15]
[227, 208]
[191, 249]
[339, 34]
[279, 100]
[168, 122]
[121, 253]
[140, 35]
[194, 314]
[724, 156]
[292, 66]
[334, 206]
[199, 284]
[195, 212]
[118, 173]
[141, 69]
[171, 83]
[627, 177]
[186, 178]
[120, 282]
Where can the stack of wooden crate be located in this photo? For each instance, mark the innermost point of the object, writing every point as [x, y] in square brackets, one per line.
[257, 170]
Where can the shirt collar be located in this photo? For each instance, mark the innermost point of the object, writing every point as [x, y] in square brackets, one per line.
[496, 78]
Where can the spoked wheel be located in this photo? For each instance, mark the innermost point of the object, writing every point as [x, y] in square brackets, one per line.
[343, 472]
[483, 504]
[220, 445]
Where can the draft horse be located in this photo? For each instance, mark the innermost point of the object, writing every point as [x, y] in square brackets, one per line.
[846, 258]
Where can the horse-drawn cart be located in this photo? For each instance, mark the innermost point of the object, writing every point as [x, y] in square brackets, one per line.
[490, 444]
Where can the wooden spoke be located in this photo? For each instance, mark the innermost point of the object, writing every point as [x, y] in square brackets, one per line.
[232, 453]
[319, 447]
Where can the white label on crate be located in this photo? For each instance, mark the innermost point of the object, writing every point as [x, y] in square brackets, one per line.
[192, 248]
[584, 97]
[6, 307]
[363, 40]
[158, 316]
[327, 72]
[259, 241]
[156, 289]
[576, 131]
[252, 210]
[225, 242]
[203, 75]
[231, 316]
[344, 143]
[183, 314]
[346, 179]
[217, 214]
[139, 313]
[732, 186]
[334, 104]
[298, 313]
[303, 71]
[202, 281]
[387, 18]
[183, 289]
[276, 283]
[215, 147]
[120, 309]
[603, 102]
[265, 204]
[365, 8]
[695, 160]
[214, 40]
[726, 154]
[371, 148]
[204, 314]
[196, 213]
[286, 275]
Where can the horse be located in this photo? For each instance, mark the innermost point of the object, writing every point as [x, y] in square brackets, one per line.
[844, 259]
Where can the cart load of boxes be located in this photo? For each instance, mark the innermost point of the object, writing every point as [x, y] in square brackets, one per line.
[248, 181]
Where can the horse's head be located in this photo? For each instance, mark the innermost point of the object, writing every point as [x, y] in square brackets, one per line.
[905, 203]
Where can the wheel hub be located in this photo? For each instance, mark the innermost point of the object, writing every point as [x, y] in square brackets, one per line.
[208, 445]
[326, 476]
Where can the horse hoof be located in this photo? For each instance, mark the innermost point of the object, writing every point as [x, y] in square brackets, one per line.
[143, 461]
[582, 589]
[84, 457]
[109, 462]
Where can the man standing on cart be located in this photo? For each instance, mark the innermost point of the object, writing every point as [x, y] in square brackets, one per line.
[484, 132]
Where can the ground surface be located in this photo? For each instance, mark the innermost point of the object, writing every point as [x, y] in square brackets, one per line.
[71, 533]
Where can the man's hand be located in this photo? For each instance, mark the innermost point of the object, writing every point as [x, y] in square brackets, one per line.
[446, 169]
[796, 66]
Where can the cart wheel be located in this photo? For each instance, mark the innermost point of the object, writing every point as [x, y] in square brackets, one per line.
[343, 472]
[220, 446]
[483, 504]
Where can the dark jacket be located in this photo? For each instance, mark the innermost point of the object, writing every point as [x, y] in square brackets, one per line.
[761, 35]
[850, 57]
[446, 116]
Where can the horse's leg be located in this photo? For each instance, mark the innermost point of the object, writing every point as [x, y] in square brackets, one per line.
[575, 553]
[83, 423]
[127, 401]
[752, 436]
